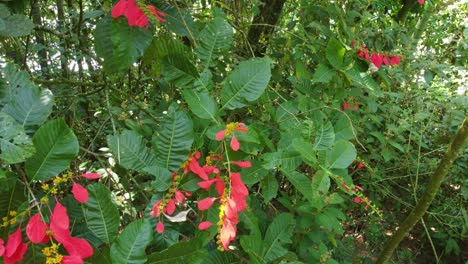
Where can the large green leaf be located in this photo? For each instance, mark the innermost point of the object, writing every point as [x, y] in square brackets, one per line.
[323, 74]
[119, 44]
[183, 252]
[201, 104]
[129, 247]
[341, 155]
[24, 101]
[301, 183]
[364, 80]
[246, 83]
[221, 257]
[215, 38]
[162, 177]
[173, 139]
[56, 146]
[101, 214]
[324, 137]
[335, 53]
[15, 145]
[278, 234]
[178, 70]
[130, 150]
[180, 21]
[15, 25]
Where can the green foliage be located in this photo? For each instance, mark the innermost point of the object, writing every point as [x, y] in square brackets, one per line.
[14, 25]
[130, 245]
[119, 44]
[56, 146]
[215, 39]
[15, 145]
[130, 150]
[102, 216]
[246, 83]
[182, 252]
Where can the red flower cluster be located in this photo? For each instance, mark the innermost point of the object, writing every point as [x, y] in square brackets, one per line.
[134, 14]
[230, 128]
[421, 2]
[15, 248]
[376, 58]
[79, 192]
[349, 106]
[58, 230]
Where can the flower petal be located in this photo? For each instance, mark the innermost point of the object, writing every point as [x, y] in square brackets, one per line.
[36, 229]
[204, 225]
[220, 135]
[91, 175]
[206, 203]
[160, 227]
[357, 200]
[242, 164]
[2, 248]
[239, 191]
[78, 247]
[80, 193]
[170, 207]
[234, 143]
[119, 9]
[71, 260]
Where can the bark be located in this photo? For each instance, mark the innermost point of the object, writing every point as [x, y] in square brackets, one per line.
[433, 186]
[264, 24]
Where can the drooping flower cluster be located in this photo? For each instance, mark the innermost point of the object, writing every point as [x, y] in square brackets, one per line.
[167, 205]
[377, 59]
[359, 197]
[14, 249]
[137, 13]
[348, 106]
[230, 128]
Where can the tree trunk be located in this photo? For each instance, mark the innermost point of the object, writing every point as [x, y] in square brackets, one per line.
[432, 188]
[263, 25]
[36, 17]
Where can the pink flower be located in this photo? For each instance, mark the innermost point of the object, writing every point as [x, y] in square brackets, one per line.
[357, 200]
[360, 165]
[91, 175]
[206, 203]
[134, 14]
[421, 2]
[160, 227]
[80, 193]
[242, 164]
[395, 60]
[15, 248]
[377, 60]
[230, 128]
[204, 225]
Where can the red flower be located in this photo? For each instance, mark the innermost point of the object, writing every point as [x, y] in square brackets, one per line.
[395, 60]
[357, 200]
[356, 107]
[91, 175]
[353, 43]
[2, 248]
[377, 60]
[36, 230]
[80, 193]
[360, 165]
[160, 227]
[206, 203]
[344, 106]
[242, 164]
[15, 248]
[238, 191]
[134, 14]
[71, 260]
[421, 2]
[204, 225]
[229, 220]
[230, 128]
[170, 207]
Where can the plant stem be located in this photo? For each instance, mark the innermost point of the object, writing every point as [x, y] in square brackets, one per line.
[432, 188]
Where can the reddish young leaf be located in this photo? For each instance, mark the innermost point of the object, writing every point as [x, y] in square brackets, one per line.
[80, 193]
[36, 229]
[204, 225]
[206, 203]
[91, 175]
[160, 227]
[234, 143]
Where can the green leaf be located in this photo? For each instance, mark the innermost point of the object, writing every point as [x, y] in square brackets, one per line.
[130, 150]
[364, 80]
[221, 257]
[324, 137]
[323, 74]
[215, 38]
[178, 70]
[286, 160]
[180, 21]
[101, 214]
[278, 234]
[246, 83]
[129, 247]
[24, 101]
[342, 155]
[15, 145]
[56, 146]
[301, 183]
[119, 44]
[201, 104]
[320, 182]
[174, 139]
[183, 252]
[16, 26]
[163, 178]
[335, 53]
[306, 150]
[269, 186]
[343, 128]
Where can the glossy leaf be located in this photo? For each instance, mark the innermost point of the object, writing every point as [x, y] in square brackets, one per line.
[201, 104]
[56, 146]
[15, 145]
[129, 247]
[246, 83]
[341, 155]
[101, 214]
[179, 70]
[182, 252]
[130, 150]
[215, 38]
[278, 233]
